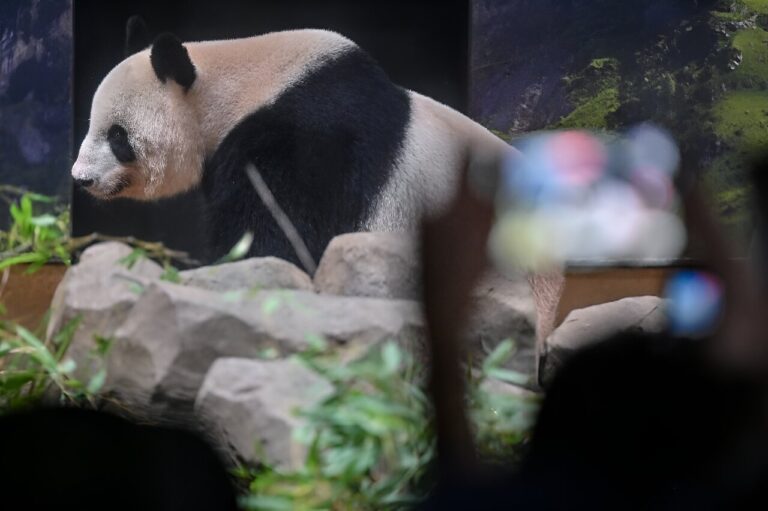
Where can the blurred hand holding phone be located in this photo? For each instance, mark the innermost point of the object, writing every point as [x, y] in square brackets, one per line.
[577, 196]
[580, 197]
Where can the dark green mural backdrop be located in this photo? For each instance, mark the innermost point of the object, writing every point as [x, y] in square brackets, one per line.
[697, 67]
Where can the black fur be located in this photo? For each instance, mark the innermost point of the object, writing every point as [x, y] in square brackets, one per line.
[171, 60]
[136, 35]
[325, 148]
[119, 144]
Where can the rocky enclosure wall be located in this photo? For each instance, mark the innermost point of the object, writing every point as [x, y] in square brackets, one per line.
[214, 347]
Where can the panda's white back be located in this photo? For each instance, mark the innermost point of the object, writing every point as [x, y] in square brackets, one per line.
[430, 163]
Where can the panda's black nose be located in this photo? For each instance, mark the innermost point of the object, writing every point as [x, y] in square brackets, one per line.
[85, 183]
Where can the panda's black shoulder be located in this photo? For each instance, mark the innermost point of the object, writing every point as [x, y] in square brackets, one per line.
[326, 147]
[346, 95]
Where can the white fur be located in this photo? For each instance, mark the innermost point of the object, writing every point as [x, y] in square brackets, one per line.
[429, 164]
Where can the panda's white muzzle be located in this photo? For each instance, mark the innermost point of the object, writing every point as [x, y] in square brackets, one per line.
[98, 171]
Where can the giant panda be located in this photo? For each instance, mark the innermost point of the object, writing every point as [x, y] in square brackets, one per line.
[340, 146]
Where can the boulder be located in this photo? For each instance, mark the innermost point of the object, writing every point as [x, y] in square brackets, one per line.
[100, 291]
[254, 273]
[593, 324]
[386, 265]
[200, 345]
[503, 308]
[168, 341]
[370, 264]
[506, 389]
[250, 406]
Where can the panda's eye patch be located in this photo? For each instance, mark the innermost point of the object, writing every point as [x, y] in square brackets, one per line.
[118, 142]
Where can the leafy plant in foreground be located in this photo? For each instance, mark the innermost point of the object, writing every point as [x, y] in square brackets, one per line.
[39, 233]
[370, 444]
[32, 370]
[501, 416]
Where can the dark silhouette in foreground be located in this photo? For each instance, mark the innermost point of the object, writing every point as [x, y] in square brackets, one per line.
[69, 458]
[637, 421]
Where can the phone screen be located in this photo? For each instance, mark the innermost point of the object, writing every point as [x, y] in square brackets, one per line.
[576, 196]
[694, 302]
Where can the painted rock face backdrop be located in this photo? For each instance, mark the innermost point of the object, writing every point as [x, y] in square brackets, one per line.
[35, 94]
[699, 68]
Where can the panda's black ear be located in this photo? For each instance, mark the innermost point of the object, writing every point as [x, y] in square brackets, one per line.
[171, 60]
[136, 35]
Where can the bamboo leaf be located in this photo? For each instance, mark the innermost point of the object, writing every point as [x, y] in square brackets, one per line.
[241, 248]
[97, 382]
[43, 220]
[22, 259]
[499, 355]
[63, 337]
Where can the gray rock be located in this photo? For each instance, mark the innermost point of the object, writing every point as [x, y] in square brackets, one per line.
[386, 265]
[166, 337]
[101, 292]
[251, 407]
[503, 308]
[173, 334]
[370, 264]
[589, 325]
[495, 386]
[254, 273]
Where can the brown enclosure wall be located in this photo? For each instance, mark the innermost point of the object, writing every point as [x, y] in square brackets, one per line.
[27, 297]
[591, 287]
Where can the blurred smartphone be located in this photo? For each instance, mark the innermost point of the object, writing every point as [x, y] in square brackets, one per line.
[593, 198]
[582, 197]
[694, 302]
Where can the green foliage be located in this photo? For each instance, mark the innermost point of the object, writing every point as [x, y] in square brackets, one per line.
[602, 63]
[240, 249]
[32, 370]
[501, 419]
[742, 124]
[38, 233]
[742, 119]
[170, 273]
[758, 6]
[594, 93]
[593, 113]
[752, 72]
[134, 257]
[727, 16]
[370, 444]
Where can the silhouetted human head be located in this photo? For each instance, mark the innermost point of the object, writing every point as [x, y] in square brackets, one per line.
[638, 421]
[651, 422]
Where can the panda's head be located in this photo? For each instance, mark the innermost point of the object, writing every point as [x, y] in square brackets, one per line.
[144, 140]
